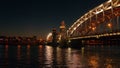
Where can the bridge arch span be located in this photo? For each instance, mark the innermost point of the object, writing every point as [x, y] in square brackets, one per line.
[103, 19]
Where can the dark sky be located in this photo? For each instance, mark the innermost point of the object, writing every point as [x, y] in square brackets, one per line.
[38, 17]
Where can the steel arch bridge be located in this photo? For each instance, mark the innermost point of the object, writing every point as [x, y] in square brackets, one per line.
[103, 20]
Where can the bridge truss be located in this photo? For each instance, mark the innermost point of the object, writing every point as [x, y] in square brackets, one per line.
[103, 20]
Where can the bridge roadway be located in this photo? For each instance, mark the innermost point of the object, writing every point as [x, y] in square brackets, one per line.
[103, 39]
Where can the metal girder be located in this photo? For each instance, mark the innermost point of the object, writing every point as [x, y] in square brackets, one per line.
[99, 14]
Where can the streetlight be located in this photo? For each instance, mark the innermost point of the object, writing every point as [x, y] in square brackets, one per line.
[93, 28]
[109, 25]
[90, 27]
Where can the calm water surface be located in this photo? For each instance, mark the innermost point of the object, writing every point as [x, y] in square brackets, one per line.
[54, 57]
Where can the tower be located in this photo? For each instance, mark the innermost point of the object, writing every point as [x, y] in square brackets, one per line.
[54, 36]
[63, 30]
[62, 26]
[63, 34]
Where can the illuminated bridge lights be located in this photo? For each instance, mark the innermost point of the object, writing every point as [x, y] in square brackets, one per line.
[97, 36]
[109, 25]
[93, 28]
[100, 15]
[99, 11]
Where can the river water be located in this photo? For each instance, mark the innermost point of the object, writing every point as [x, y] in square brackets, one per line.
[26, 56]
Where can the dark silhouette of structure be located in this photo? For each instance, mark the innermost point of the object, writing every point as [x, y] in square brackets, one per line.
[54, 37]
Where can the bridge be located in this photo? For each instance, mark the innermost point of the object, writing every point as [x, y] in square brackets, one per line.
[100, 23]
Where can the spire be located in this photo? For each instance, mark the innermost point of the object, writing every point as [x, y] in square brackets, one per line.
[62, 24]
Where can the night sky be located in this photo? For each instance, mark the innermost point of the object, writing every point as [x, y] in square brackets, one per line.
[38, 17]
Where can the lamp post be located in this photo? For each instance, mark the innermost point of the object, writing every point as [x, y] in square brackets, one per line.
[109, 25]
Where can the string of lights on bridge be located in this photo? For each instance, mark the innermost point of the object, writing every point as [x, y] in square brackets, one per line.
[97, 36]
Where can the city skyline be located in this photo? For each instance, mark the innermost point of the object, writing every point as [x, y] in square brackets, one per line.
[37, 18]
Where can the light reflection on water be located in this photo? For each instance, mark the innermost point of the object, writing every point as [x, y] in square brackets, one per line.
[51, 57]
